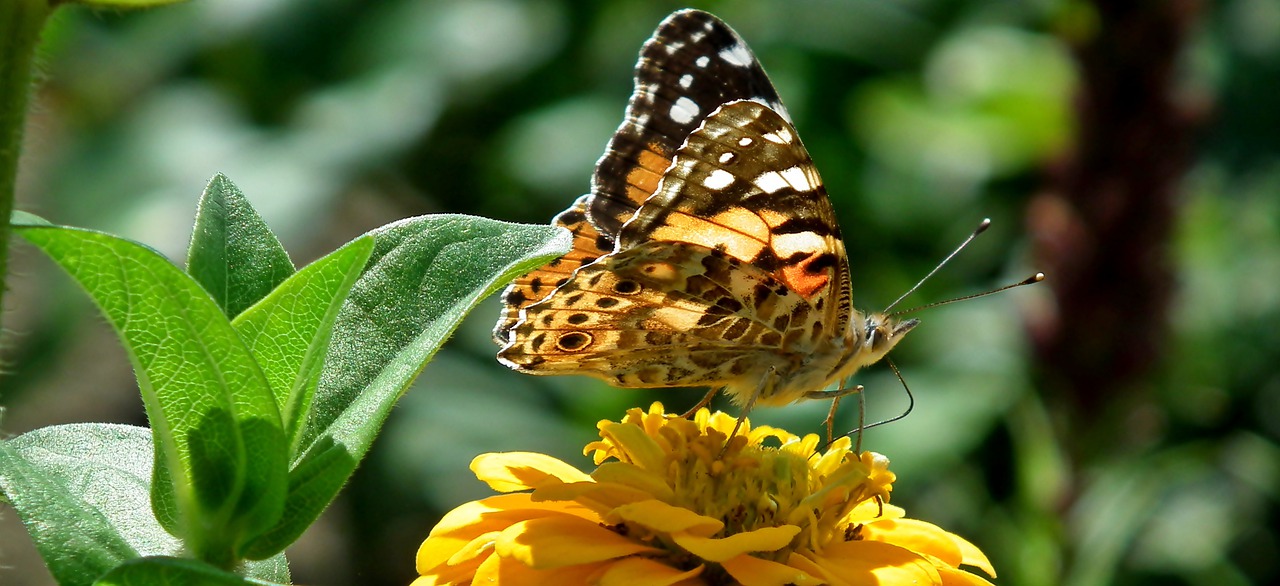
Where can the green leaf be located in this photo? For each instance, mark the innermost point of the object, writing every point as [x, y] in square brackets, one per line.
[288, 331]
[171, 571]
[233, 254]
[424, 275]
[81, 491]
[220, 449]
[21, 218]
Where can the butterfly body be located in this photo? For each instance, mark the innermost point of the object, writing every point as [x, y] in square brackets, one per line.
[708, 253]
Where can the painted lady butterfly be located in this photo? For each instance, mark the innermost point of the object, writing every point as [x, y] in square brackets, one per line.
[707, 253]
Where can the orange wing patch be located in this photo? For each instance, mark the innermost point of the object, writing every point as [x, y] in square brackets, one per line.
[643, 179]
[807, 277]
[739, 232]
[588, 245]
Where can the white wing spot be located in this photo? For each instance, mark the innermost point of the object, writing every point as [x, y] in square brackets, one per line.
[745, 141]
[697, 37]
[673, 47]
[770, 181]
[798, 179]
[785, 245]
[718, 179]
[780, 136]
[737, 55]
[702, 61]
[686, 80]
[684, 110]
[726, 157]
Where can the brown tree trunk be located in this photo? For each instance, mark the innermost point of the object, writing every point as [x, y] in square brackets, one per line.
[1105, 222]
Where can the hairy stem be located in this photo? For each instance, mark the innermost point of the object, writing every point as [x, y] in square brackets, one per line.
[20, 24]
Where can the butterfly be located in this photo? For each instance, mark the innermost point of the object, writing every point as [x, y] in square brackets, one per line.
[707, 252]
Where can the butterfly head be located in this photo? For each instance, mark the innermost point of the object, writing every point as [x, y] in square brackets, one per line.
[881, 333]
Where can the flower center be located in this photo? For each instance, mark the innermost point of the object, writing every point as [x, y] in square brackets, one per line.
[748, 488]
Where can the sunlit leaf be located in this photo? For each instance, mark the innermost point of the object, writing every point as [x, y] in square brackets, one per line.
[233, 254]
[220, 453]
[83, 529]
[423, 277]
[288, 331]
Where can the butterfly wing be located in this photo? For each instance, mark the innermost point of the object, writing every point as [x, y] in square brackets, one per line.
[693, 63]
[731, 272]
[692, 58]
[645, 317]
[588, 245]
[745, 185]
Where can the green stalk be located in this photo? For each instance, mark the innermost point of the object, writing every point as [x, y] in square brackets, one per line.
[20, 24]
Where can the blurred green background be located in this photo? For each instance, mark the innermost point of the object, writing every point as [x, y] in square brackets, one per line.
[1118, 424]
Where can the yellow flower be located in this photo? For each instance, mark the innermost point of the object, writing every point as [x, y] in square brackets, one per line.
[671, 504]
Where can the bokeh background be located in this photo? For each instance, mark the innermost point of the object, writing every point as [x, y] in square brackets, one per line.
[1117, 424]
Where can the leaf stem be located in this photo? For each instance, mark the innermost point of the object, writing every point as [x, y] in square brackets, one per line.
[20, 25]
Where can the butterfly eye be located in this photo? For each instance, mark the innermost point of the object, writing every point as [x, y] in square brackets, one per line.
[573, 341]
[876, 333]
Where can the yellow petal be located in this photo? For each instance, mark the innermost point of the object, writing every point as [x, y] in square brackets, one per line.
[972, 556]
[463, 524]
[724, 548]
[600, 497]
[870, 510]
[873, 562]
[753, 571]
[808, 566]
[512, 471]
[506, 571]
[635, 477]
[553, 542]
[640, 447]
[721, 421]
[462, 573]
[665, 518]
[638, 571]
[954, 577]
[915, 535]
[482, 545]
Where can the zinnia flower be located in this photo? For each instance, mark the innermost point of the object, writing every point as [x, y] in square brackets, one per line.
[671, 504]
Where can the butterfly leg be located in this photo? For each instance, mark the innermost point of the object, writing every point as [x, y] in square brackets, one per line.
[834, 393]
[765, 382]
[835, 396]
[706, 400]
[862, 424]
[830, 421]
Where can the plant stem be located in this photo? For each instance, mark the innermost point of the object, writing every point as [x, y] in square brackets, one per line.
[20, 24]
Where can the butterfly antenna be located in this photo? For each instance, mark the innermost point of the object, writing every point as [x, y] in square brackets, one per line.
[1036, 278]
[982, 227]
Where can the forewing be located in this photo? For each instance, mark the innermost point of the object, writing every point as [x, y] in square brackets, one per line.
[744, 185]
[693, 63]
